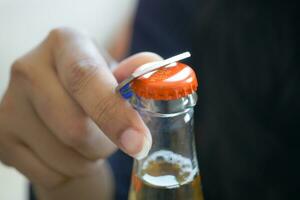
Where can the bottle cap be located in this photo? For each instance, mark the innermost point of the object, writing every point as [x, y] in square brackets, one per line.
[171, 82]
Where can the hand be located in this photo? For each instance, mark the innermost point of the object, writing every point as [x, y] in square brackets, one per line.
[61, 117]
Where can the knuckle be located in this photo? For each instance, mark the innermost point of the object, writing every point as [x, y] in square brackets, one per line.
[105, 109]
[23, 74]
[80, 74]
[19, 70]
[86, 168]
[57, 34]
[5, 163]
[5, 157]
[78, 135]
[51, 183]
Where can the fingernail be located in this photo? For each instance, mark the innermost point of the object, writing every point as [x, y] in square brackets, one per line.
[135, 143]
[145, 150]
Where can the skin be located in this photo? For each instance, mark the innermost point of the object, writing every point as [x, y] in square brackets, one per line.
[60, 117]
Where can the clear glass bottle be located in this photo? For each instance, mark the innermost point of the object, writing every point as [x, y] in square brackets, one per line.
[165, 100]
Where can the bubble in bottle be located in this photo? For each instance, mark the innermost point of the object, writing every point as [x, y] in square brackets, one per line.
[166, 175]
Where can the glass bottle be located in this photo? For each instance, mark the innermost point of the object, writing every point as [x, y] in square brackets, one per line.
[165, 99]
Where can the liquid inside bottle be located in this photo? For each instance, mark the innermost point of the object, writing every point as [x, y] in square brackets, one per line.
[166, 175]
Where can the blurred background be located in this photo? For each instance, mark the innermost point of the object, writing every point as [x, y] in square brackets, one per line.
[23, 24]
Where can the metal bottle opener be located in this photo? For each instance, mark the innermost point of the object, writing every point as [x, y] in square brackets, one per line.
[124, 87]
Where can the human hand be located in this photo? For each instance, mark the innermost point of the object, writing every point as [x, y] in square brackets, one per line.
[60, 116]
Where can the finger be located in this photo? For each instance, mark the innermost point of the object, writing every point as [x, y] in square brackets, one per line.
[62, 115]
[33, 168]
[129, 65]
[86, 77]
[55, 154]
[56, 108]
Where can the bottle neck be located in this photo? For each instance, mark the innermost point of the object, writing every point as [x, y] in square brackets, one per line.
[164, 108]
[173, 146]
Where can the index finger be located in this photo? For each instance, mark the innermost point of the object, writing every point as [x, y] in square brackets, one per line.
[85, 75]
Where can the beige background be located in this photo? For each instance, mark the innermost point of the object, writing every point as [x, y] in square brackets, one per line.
[25, 23]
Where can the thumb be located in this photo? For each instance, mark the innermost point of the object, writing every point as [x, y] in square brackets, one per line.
[130, 64]
[124, 70]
